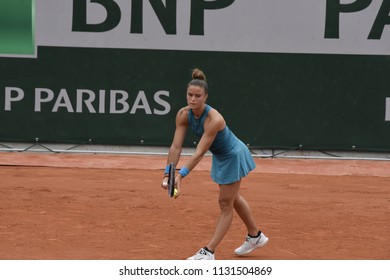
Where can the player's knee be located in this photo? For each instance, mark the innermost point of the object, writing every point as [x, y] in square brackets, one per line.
[225, 204]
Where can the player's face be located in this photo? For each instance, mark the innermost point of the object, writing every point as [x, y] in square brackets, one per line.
[196, 97]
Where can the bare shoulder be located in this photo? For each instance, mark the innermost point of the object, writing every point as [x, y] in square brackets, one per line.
[215, 120]
[183, 110]
[182, 115]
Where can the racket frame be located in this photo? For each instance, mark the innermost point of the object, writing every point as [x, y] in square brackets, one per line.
[171, 180]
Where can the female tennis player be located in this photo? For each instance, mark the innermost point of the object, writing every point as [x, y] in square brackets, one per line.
[230, 162]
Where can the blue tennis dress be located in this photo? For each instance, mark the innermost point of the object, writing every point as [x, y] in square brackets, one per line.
[232, 159]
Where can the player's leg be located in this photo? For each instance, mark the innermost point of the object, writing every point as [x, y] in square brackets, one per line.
[255, 238]
[227, 195]
[244, 212]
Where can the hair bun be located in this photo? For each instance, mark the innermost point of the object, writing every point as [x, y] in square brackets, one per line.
[198, 74]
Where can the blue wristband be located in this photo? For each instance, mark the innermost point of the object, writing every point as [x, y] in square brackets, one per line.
[184, 171]
[166, 170]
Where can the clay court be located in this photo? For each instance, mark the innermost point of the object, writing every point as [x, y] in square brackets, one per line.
[94, 206]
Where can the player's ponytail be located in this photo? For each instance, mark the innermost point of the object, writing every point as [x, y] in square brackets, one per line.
[199, 79]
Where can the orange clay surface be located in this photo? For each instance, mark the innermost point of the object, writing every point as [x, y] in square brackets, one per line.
[89, 206]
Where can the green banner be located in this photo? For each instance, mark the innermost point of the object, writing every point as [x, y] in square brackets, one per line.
[111, 96]
[17, 27]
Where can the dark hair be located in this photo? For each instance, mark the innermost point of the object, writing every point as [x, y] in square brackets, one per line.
[199, 79]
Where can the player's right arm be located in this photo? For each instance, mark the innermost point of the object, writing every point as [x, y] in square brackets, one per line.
[179, 136]
[178, 139]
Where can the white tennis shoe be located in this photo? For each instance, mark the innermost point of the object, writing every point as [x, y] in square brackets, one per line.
[202, 254]
[251, 243]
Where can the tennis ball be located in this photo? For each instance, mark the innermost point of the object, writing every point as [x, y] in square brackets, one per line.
[175, 193]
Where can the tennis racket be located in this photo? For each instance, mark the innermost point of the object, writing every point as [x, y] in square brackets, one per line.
[171, 180]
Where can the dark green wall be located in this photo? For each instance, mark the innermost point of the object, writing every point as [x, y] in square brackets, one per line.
[329, 102]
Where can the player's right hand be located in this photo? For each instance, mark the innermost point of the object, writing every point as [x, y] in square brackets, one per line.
[164, 183]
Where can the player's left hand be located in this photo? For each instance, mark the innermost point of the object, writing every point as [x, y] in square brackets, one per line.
[178, 185]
